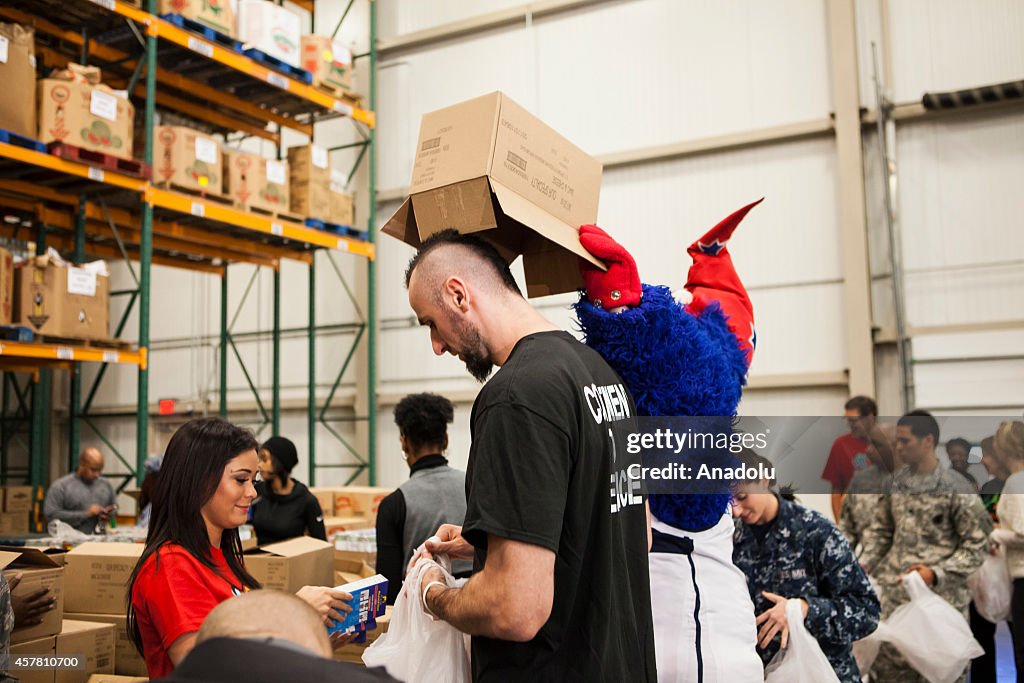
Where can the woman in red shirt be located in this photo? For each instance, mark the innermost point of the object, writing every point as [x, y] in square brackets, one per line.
[193, 556]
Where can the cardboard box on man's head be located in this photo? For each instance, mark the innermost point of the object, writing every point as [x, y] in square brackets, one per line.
[488, 166]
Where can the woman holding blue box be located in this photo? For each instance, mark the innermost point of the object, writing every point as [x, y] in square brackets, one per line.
[193, 556]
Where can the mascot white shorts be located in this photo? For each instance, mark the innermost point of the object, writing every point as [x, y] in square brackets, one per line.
[703, 617]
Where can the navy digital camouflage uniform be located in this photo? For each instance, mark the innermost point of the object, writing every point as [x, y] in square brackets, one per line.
[862, 498]
[935, 519]
[805, 556]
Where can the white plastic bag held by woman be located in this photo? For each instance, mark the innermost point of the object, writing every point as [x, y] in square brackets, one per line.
[992, 588]
[931, 634]
[802, 661]
[417, 648]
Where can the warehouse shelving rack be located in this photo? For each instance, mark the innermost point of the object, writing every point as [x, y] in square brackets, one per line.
[85, 210]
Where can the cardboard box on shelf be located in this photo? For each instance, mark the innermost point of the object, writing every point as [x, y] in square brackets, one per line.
[271, 29]
[353, 561]
[309, 171]
[359, 501]
[97, 577]
[76, 108]
[17, 498]
[292, 564]
[324, 496]
[335, 525]
[6, 286]
[254, 182]
[45, 647]
[38, 570]
[188, 159]
[61, 300]
[342, 208]
[215, 14]
[328, 60]
[89, 638]
[13, 524]
[488, 166]
[18, 74]
[127, 660]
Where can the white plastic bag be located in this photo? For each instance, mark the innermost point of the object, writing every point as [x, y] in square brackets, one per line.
[802, 661]
[992, 588]
[416, 648]
[930, 633]
[865, 652]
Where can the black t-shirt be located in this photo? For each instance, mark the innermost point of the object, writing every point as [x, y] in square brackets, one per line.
[540, 465]
[278, 518]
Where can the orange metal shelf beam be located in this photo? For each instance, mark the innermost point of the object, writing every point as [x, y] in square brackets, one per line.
[53, 163]
[195, 206]
[65, 353]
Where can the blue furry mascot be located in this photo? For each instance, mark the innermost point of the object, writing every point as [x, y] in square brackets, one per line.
[683, 360]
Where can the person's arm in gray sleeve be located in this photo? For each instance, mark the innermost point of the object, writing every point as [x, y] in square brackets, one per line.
[111, 495]
[54, 507]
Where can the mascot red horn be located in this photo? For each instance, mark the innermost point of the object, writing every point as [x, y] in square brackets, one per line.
[683, 360]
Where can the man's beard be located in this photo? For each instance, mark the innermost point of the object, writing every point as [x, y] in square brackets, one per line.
[474, 352]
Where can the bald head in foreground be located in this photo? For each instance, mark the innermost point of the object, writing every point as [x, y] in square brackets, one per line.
[266, 636]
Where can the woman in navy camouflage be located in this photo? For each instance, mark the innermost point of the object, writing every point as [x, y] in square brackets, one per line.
[788, 551]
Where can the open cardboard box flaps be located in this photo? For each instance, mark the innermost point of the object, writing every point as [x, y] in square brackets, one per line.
[488, 166]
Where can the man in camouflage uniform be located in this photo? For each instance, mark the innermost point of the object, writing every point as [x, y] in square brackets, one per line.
[867, 488]
[932, 523]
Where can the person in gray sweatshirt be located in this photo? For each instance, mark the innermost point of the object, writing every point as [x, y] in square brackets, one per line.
[82, 499]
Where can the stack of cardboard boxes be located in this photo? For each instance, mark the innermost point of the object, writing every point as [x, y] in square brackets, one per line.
[253, 182]
[17, 504]
[95, 590]
[349, 508]
[56, 635]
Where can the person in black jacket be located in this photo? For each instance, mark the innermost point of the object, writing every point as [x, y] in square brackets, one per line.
[285, 508]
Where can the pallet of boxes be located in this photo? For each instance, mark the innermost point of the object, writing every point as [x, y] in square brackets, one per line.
[95, 587]
[353, 509]
[60, 633]
[55, 298]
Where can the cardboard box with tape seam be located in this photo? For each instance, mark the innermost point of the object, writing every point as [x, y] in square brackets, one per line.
[216, 14]
[254, 182]
[18, 74]
[309, 181]
[488, 166]
[94, 640]
[45, 647]
[97, 577]
[187, 159]
[38, 571]
[361, 501]
[17, 498]
[292, 564]
[76, 108]
[127, 660]
[58, 299]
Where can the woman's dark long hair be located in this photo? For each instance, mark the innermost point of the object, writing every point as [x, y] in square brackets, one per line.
[192, 469]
